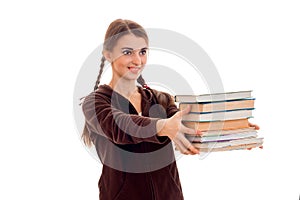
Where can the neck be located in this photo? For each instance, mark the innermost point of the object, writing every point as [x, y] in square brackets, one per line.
[124, 87]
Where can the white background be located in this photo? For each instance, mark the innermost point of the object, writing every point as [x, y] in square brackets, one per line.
[254, 44]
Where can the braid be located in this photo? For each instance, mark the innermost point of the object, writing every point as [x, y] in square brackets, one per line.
[100, 72]
[85, 133]
[142, 81]
[115, 31]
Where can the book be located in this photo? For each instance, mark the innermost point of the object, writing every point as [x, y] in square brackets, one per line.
[223, 120]
[235, 147]
[233, 136]
[235, 104]
[217, 116]
[221, 144]
[214, 97]
[218, 125]
[224, 132]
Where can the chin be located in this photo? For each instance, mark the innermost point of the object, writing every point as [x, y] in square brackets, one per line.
[132, 76]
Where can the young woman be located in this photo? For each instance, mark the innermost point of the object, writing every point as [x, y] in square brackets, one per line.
[132, 126]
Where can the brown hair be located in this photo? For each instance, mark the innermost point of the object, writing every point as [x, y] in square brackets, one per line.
[115, 31]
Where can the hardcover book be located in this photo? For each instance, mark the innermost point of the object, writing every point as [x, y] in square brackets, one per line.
[214, 97]
[235, 104]
[217, 116]
[223, 120]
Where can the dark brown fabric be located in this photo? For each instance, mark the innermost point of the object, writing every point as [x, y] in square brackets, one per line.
[137, 164]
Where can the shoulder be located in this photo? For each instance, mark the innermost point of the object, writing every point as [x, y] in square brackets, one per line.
[163, 95]
[167, 101]
[163, 98]
[102, 94]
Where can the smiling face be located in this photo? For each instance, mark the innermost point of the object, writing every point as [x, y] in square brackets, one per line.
[128, 57]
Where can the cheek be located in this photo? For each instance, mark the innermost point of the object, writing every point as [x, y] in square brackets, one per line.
[144, 59]
[122, 61]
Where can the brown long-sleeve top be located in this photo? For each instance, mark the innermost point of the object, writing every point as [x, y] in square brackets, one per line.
[137, 164]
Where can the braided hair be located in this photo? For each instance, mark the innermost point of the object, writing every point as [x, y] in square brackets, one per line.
[100, 73]
[115, 31]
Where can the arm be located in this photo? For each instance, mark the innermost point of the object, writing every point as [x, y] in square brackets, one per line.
[119, 127]
[172, 127]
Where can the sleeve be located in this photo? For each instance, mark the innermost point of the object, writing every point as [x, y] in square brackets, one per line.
[121, 128]
[167, 101]
[172, 108]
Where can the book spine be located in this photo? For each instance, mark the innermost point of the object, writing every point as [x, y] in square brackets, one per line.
[218, 125]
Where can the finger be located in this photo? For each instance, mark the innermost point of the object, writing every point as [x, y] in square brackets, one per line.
[190, 131]
[187, 144]
[254, 125]
[193, 149]
[185, 111]
[180, 147]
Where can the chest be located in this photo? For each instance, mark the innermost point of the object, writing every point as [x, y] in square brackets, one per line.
[136, 101]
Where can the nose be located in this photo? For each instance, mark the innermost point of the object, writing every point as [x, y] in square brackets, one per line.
[136, 58]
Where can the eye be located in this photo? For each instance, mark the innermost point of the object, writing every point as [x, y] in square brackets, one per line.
[127, 52]
[143, 52]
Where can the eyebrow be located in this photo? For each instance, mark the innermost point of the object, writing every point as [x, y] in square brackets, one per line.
[129, 48]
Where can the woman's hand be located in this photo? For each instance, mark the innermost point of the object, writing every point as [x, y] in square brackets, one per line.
[174, 129]
[184, 145]
[254, 125]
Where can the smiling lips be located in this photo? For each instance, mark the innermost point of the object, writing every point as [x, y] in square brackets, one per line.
[134, 70]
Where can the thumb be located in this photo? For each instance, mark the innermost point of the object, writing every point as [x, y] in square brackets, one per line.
[185, 111]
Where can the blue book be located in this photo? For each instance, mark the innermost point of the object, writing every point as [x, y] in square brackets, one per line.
[218, 116]
[203, 107]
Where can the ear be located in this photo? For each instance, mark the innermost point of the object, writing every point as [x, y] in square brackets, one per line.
[107, 55]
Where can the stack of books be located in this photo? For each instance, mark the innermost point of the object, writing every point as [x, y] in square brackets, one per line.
[223, 120]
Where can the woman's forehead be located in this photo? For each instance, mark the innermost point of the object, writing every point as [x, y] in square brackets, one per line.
[131, 41]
